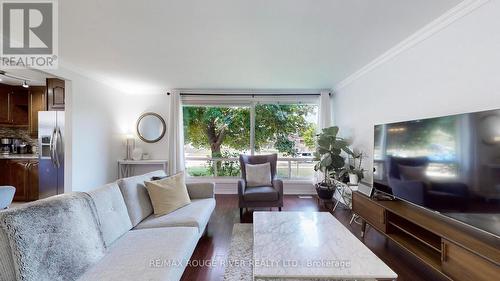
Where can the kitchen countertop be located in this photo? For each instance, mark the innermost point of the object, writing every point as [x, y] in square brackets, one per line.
[19, 156]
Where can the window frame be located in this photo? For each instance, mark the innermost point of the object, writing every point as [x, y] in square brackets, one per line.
[251, 101]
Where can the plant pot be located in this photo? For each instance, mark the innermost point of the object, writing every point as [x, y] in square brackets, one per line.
[353, 179]
[324, 192]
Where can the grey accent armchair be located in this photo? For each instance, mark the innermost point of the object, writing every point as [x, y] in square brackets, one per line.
[6, 196]
[259, 196]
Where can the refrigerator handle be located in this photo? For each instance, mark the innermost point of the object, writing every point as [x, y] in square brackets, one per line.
[59, 138]
[51, 146]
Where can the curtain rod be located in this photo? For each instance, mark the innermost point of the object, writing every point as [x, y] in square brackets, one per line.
[249, 95]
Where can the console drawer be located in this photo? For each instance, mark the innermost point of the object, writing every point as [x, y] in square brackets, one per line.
[460, 264]
[369, 211]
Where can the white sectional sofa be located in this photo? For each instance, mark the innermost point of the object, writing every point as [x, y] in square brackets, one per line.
[129, 242]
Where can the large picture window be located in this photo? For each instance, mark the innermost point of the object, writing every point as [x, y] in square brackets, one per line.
[215, 135]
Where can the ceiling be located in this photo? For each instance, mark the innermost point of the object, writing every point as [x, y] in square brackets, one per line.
[18, 76]
[143, 46]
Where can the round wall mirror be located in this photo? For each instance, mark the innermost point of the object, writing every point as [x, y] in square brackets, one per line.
[151, 127]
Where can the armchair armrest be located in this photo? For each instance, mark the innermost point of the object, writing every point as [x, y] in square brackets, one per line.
[278, 185]
[201, 190]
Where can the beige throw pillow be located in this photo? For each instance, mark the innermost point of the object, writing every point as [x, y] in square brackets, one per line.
[168, 194]
[259, 174]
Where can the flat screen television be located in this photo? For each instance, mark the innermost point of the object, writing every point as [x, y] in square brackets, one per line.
[448, 164]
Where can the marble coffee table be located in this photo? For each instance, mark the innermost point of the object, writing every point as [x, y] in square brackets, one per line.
[311, 246]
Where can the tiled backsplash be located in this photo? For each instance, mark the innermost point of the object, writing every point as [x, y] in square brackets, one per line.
[18, 133]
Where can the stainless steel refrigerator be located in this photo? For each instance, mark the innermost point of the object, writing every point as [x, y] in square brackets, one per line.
[51, 153]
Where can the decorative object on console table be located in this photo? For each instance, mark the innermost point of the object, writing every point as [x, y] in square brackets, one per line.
[444, 245]
[126, 167]
[130, 145]
[330, 162]
[137, 154]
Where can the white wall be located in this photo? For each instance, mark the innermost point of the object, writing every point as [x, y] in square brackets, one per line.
[101, 118]
[455, 70]
[133, 106]
[98, 118]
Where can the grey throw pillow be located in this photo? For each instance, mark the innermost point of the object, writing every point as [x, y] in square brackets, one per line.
[258, 174]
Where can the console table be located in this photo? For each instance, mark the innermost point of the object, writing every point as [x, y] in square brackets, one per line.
[454, 250]
[126, 167]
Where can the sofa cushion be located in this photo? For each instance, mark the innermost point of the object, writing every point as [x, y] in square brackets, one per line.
[147, 254]
[201, 190]
[260, 193]
[136, 196]
[57, 238]
[168, 194]
[195, 214]
[112, 212]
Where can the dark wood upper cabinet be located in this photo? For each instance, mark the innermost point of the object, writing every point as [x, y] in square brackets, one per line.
[5, 95]
[55, 94]
[13, 105]
[37, 102]
[19, 106]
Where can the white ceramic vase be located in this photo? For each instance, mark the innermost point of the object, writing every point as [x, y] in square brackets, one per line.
[137, 154]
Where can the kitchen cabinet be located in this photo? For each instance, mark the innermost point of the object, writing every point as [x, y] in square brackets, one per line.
[33, 180]
[5, 95]
[19, 106]
[37, 102]
[13, 106]
[19, 178]
[4, 172]
[56, 96]
[21, 174]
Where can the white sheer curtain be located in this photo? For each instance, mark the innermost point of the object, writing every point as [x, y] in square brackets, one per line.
[175, 133]
[325, 110]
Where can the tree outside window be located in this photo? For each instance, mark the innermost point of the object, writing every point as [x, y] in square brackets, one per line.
[224, 132]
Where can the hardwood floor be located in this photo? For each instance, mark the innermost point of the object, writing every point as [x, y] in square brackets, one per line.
[215, 244]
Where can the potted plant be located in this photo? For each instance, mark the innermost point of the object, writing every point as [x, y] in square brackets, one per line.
[330, 161]
[354, 169]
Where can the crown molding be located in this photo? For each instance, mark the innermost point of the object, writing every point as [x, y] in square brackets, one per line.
[462, 9]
